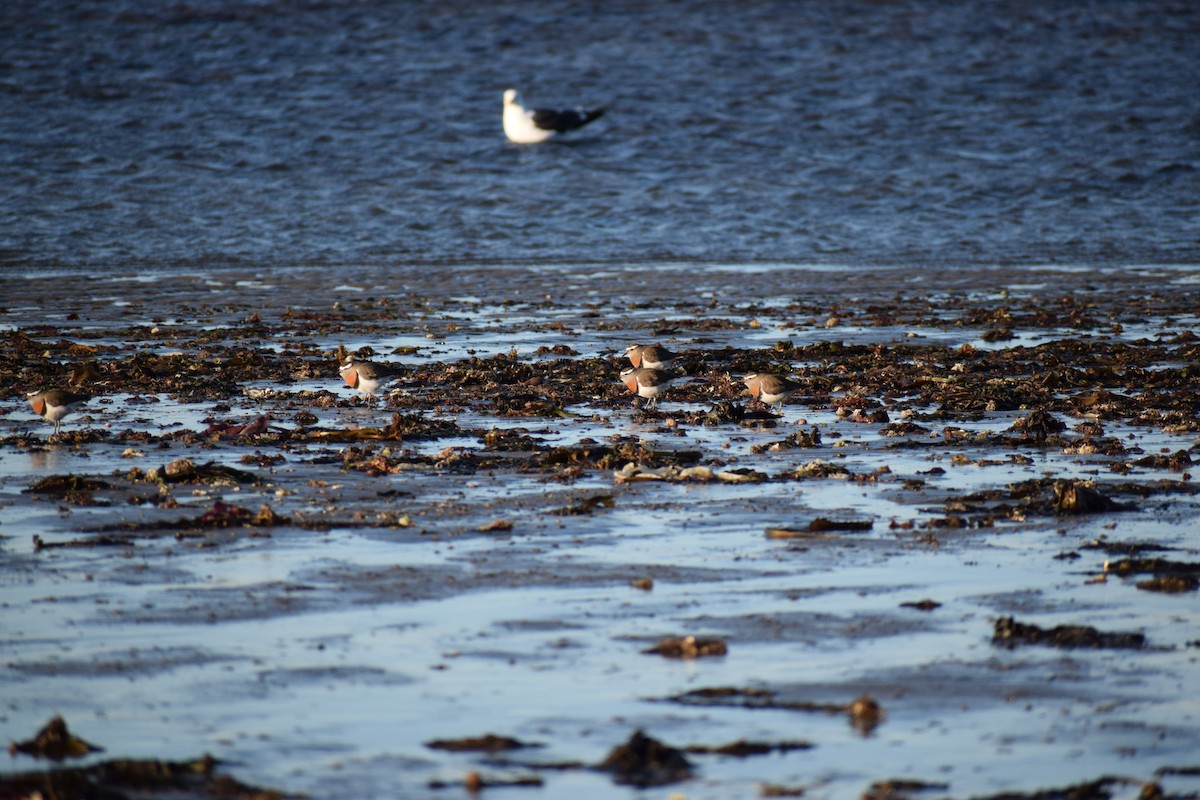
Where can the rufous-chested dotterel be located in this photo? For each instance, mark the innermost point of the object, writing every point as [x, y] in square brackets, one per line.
[654, 356]
[769, 388]
[85, 373]
[367, 377]
[646, 382]
[54, 404]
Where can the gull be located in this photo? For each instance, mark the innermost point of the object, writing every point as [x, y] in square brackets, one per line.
[528, 125]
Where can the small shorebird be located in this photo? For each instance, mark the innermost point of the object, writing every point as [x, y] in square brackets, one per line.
[654, 356]
[770, 388]
[366, 376]
[648, 383]
[54, 404]
[84, 373]
[529, 125]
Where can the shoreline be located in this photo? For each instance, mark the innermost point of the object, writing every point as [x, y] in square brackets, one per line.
[134, 271]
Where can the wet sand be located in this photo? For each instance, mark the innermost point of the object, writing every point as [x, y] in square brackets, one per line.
[964, 556]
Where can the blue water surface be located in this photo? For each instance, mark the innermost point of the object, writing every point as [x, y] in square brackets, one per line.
[368, 132]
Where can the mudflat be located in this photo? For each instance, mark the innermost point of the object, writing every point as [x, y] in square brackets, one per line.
[960, 560]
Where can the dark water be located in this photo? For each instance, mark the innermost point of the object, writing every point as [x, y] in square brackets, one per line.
[225, 131]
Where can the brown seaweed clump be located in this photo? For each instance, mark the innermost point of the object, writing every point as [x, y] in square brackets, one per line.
[1099, 789]
[1170, 584]
[1157, 566]
[644, 762]
[118, 779]
[55, 742]
[488, 743]
[1040, 424]
[129, 779]
[900, 789]
[744, 749]
[1076, 497]
[1010, 633]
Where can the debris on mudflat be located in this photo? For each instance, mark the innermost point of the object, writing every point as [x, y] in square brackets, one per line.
[1169, 577]
[221, 515]
[689, 647]
[723, 413]
[402, 427]
[741, 475]
[1039, 424]
[821, 528]
[636, 472]
[474, 782]
[743, 749]
[67, 484]
[820, 469]
[40, 544]
[823, 524]
[797, 533]
[54, 742]
[865, 713]
[1176, 462]
[585, 506]
[1079, 497]
[229, 430]
[1010, 633]
[1099, 789]
[922, 605]
[184, 470]
[900, 789]
[1125, 548]
[671, 472]
[1156, 566]
[904, 428]
[1170, 584]
[799, 439]
[489, 743]
[127, 778]
[644, 762]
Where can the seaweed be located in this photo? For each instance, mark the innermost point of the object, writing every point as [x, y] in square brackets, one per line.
[1010, 633]
[644, 762]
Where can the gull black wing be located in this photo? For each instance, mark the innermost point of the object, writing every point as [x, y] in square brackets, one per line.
[553, 120]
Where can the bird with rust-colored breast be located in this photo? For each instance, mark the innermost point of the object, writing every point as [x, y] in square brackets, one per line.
[654, 356]
[646, 383]
[367, 377]
[769, 388]
[54, 404]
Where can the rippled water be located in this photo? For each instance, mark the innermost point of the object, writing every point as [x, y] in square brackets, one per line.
[225, 131]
